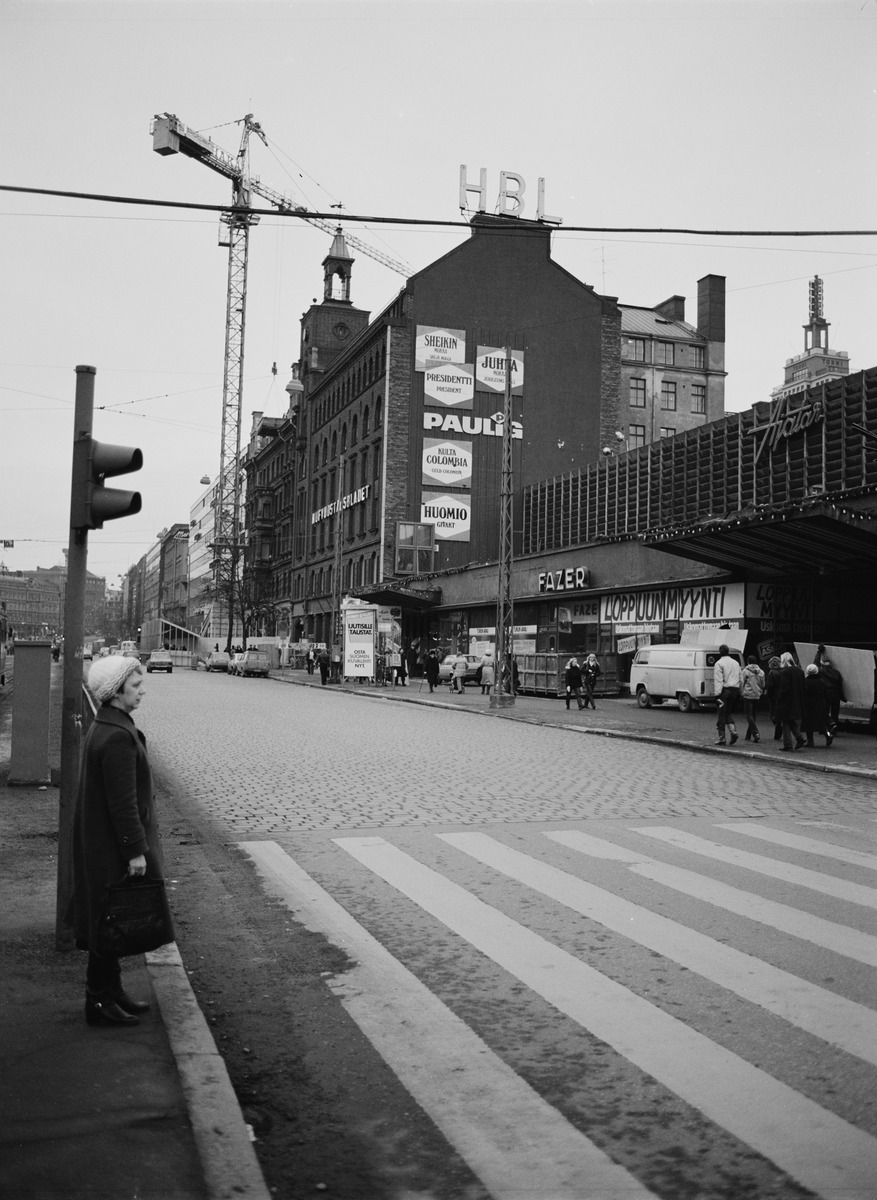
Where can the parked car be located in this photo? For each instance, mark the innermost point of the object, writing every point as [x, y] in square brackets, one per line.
[159, 660]
[218, 661]
[250, 662]
[446, 668]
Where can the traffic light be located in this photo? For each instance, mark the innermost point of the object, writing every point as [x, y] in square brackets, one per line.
[92, 503]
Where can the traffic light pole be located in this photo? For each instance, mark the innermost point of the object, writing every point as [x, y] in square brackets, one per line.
[74, 634]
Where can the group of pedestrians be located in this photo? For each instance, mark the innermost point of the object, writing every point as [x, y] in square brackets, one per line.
[584, 677]
[801, 703]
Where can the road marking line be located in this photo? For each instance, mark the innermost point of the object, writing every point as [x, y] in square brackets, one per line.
[513, 1140]
[812, 1145]
[841, 939]
[826, 1015]
[857, 858]
[816, 881]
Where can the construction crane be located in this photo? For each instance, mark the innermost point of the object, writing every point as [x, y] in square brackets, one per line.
[171, 136]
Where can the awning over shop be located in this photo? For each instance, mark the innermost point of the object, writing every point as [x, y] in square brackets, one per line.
[818, 538]
[392, 595]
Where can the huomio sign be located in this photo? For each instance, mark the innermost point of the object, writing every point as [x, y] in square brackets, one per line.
[449, 513]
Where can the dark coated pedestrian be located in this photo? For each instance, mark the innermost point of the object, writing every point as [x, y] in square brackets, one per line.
[573, 681]
[816, 711]
[115, 830]
[790, 702]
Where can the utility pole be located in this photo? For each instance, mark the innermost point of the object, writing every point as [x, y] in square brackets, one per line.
[336, 577]
[74, 635]
[503, 695]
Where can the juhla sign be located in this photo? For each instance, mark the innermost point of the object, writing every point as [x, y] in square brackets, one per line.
[510, 201]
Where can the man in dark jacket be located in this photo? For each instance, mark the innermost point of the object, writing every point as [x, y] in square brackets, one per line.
[790, 702]
[815, 706]
[834, 686]
[573, 681]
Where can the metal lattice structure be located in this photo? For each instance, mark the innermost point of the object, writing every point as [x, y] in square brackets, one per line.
[794, 456]
[171, 136]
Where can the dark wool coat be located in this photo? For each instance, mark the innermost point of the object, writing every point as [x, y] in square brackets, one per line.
[815, 705]
[431, 668]
[573, 677]
[115, 818]
[789, 705]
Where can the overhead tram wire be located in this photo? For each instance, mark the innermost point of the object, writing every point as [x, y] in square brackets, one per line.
[431, 221]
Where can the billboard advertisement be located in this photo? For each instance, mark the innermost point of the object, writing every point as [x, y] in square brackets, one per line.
[359, 642]
[446, 463]
[451, 384]
[490, 367]
[434, 344]
[450, 513]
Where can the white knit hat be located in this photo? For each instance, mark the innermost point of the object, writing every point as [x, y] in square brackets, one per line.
[107, 675]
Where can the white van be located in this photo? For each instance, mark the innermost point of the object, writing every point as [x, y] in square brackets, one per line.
[683, 673]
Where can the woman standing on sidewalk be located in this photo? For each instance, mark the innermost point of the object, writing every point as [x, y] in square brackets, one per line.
[115, 829]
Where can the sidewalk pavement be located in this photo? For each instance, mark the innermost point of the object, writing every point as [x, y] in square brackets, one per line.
[854, 751]
[95, 1113]
[150, 1112]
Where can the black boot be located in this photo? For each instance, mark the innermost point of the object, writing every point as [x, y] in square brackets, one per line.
[102, 1009]
[128, 1004]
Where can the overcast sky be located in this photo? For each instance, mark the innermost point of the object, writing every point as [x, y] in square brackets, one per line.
[702, 115]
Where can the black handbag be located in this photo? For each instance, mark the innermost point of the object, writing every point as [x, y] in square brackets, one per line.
[136, 917]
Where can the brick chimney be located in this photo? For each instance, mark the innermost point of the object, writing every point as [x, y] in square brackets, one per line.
[711, 308]
[672, 309]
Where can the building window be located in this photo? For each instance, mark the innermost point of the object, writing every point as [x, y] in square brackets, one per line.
[697, 356]
[668, 395]
[665, 353]
[637, 393]
[414, 548]
[636, 349]
[698, 398]
[666, 431]
[636, 436]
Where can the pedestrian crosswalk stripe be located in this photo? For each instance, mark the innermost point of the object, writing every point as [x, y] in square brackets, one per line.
[779, 837]
[824, 1014]
[814, 1146]
[512, 1139]
[841, 939]
[816, 881]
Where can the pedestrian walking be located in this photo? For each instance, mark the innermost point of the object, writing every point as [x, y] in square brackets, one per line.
[488, 673]
[834, 686]
[431, 669]
[790, 702]
[816, 710]
[324, 662]
[115, 830]
[752, 685]
[591, 672]
[726, 684]
[461, 666]
[771, 691]
[310, 660]
[573, 679]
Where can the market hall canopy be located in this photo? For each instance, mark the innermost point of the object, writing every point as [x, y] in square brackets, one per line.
[817, 538]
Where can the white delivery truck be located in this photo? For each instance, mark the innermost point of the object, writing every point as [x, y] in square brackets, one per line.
[671, 672]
